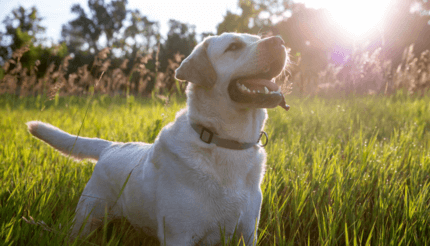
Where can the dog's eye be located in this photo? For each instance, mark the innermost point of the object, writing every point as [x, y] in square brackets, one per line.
[233, 47]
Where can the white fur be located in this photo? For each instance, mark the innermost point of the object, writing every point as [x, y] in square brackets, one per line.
[180, 189]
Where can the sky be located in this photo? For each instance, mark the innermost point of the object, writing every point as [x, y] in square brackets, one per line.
[205, 15]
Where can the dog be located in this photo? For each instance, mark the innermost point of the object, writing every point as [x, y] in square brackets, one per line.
[201, 177]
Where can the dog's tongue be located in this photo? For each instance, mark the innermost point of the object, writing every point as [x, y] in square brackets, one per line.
[260, 83]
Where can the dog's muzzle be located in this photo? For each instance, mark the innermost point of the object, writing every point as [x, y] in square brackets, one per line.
[260, 90]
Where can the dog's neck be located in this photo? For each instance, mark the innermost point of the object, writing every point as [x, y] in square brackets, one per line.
[226, 121]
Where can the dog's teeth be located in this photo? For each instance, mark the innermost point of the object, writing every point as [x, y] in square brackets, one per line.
[248, 90]
[243, 88]
[253, 91]
[266, 90]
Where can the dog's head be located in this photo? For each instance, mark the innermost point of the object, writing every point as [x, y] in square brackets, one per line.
[240, 66]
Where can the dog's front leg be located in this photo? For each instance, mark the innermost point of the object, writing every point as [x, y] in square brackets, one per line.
[169, 234]
[248, 224]
[89, 214]
[94, 204]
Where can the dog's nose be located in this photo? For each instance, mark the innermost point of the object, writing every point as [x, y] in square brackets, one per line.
[275, 41]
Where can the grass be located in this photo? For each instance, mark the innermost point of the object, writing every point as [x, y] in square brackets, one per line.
[339, 171]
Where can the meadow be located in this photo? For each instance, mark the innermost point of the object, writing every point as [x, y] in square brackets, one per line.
[352, 171]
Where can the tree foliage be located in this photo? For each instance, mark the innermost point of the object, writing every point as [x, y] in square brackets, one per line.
[312, 35]
[407, 22]
[316, 39]
[84, 32]
[141, 33]
[22, 27]
[256, 16]
[181, 39]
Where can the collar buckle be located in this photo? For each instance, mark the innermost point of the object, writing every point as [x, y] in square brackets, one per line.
[206, 134]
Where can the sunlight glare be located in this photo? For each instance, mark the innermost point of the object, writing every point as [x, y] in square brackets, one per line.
[357, 16]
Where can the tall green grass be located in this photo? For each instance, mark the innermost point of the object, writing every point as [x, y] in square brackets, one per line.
[339, 171]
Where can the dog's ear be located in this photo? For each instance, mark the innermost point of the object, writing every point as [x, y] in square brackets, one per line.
[197, 68]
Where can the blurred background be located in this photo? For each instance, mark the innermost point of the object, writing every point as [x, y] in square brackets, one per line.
[337, 48]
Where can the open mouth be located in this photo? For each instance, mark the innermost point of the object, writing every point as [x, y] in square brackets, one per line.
[259, 91]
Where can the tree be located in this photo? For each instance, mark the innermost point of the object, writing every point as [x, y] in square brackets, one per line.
[84, 32]
[315, 37]
[205, 34]
[181, 39]
[142, 33]
[22, 28]
[257, 16]
[407, 22]
[140, 39]
[318, 39]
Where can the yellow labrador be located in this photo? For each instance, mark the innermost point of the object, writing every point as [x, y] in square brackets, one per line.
[202, 174]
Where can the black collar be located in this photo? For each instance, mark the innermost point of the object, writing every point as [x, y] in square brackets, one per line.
[208, 137]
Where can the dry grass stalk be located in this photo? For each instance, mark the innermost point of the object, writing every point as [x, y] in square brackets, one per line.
[368, 73]
[364, 73]
[116, 81]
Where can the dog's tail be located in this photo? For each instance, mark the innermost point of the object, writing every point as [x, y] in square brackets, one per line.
[71, 145]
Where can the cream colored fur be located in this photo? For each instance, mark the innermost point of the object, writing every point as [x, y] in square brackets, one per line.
[180, 189]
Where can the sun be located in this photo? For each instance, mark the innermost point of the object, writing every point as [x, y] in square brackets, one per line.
[357, 17]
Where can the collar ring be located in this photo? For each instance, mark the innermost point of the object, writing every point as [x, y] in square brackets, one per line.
[267, 139]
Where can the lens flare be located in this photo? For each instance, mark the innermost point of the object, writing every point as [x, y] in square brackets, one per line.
[357, 17]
